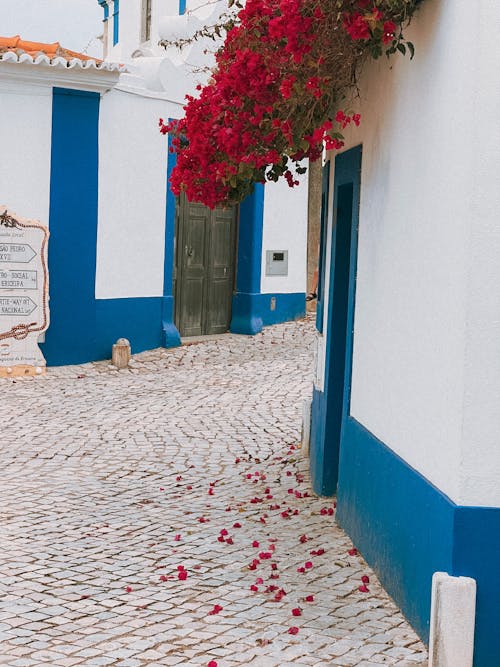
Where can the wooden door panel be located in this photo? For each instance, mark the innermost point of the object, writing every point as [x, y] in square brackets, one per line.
[205, 268]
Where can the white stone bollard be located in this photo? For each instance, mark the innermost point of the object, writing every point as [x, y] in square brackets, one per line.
[121, 353]
[453, 611]
[306, 426]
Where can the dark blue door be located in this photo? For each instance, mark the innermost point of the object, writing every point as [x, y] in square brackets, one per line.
[332, 404]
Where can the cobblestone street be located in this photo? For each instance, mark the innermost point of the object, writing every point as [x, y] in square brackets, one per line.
[162, 515]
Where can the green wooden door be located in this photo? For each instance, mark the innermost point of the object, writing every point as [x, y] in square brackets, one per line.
[205, 267]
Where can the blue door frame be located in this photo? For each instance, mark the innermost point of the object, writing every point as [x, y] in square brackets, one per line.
[331, 406]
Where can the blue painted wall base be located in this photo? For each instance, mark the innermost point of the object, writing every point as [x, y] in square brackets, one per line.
[407, 529]
[250, 312]
[171, 336]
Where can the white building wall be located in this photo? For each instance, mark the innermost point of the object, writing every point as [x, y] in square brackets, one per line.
[422, 258]
[285, 228]
[480, 469]
[25, 138]
[132, 196]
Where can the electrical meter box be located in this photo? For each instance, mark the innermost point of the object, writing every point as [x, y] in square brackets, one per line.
[276, 262]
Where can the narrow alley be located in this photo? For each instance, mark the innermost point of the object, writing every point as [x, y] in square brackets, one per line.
[162, 515]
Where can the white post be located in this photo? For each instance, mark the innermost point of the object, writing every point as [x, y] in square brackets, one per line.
[453, 610]
[306, 426]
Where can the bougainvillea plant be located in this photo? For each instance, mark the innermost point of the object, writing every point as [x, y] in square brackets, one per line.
[278, 92]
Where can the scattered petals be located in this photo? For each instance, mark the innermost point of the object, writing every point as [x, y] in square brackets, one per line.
[293, 630]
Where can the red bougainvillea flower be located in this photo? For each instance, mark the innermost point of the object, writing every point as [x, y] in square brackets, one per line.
[309, 598]
[182, 575]
[129, 589]
[297, 611]
[255, 544]
[363, 588]
[389, 32]
[254, 588]
[178, 478]
[163, 577]
[303, 538]
[212, 663]
[308, 565]
[365, 579]
[353, 552]
[317, 552]
[293, 630]
[236, 525]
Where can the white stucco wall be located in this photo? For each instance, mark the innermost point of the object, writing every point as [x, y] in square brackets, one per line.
[285, 228]
[132, 196]
[426, 369]
[25, 138]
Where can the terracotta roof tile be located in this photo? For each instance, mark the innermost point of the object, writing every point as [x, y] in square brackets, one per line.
[19, 46]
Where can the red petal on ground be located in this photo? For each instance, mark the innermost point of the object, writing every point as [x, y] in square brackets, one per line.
[297, 611]
[309, 598]
[236, 525]
[308, 565]
[255, 544]
[365, 579]
[363, 589]
[293, 630]
[182, 575]
[352, 552]
[129, 589]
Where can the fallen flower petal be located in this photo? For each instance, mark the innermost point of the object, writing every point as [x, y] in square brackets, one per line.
[297, 611]
[254, 588]
[308, 565]
[236, 525]
[129, 589]
[212, 663]
[177, 538]
[182, 575]
[217, 608]
[309, 598]
[303, 538]
[293, 630]
[352, 552]
[363, 588]
[365, 579]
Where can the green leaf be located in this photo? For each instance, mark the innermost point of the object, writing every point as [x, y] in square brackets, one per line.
[411, 49]
[401, 48]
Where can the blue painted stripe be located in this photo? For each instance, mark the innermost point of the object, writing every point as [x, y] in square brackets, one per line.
[171, 337]
[407, 529]
[73, 226]
[116, 22]
[253, 311]
[137, 319]
[105, 6]
[246, 312]
[182, 7]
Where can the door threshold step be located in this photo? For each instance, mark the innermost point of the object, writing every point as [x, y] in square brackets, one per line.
[191, 340]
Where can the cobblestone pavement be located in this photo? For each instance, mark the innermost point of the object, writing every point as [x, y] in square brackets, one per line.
[162, 515]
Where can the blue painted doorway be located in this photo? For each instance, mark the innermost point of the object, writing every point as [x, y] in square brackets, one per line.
[331, 405]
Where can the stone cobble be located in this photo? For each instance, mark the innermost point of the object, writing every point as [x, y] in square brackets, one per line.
[162, 515]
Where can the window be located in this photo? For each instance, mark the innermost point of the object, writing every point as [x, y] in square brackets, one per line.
[146, 20]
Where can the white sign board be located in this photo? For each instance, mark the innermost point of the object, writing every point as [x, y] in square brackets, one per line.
[24, 294]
